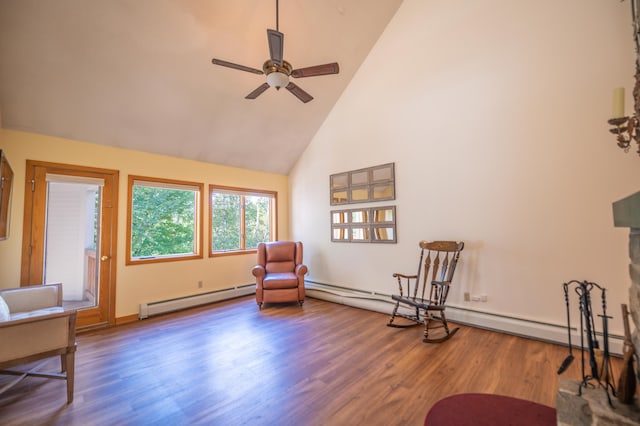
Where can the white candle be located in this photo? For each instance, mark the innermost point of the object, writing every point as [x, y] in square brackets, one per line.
[618, 102]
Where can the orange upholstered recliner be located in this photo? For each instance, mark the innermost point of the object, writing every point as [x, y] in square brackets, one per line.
[279, 273]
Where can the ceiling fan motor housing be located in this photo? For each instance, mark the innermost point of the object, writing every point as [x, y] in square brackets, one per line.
[277, 76]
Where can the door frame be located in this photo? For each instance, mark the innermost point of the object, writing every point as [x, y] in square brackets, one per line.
[35, 203]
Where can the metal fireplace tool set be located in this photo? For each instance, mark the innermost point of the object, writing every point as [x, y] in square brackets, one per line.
[599, 366]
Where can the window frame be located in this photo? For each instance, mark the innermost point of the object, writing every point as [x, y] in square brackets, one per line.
[199, 211]
[273, 220]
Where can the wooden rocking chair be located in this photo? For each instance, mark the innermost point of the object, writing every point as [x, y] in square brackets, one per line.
[435, 273]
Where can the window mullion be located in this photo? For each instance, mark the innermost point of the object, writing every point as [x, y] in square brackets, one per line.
[242, 223]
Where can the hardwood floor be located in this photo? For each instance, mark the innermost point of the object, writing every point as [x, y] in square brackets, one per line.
[322, 364]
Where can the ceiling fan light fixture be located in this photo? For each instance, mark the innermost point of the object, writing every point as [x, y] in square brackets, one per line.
[277, 79]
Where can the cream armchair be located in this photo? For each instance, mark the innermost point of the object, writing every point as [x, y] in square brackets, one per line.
[34, 328]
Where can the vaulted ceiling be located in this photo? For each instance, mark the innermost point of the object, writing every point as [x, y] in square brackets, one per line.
[137, 74]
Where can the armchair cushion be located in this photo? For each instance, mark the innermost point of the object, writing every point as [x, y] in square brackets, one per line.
[280, 280]
[280, 258]
[4, 310]
[36, 313]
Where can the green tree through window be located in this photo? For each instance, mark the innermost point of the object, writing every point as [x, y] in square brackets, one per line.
[164, 220]
[225, 209]
[256, 220]
[240, 219]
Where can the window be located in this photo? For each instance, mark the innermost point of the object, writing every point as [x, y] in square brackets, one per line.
[164, 220]
[240, 219]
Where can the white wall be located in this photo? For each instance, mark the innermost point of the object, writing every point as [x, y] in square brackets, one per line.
[494, 113]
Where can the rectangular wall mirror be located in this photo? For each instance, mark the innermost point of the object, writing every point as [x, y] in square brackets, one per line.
[359, 177]
[383, 234]
[384, 214]
[339, 197]
[338, 217]
[340, 233]
[339, 181]
[359, 195]
[6, 183]
[360, 234]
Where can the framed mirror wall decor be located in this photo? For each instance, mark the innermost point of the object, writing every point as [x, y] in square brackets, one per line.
[364, 225]
[375, 183]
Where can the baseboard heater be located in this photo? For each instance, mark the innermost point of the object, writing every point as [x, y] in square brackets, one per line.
[379, 302]
[170, 305]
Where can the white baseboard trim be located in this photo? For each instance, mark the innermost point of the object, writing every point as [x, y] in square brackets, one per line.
[378, 302]
[158, 307]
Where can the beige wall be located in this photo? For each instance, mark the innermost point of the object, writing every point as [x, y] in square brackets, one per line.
[494, 113]
[139, 283]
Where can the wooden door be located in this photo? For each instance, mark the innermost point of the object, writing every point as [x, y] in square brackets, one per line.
[63, 243]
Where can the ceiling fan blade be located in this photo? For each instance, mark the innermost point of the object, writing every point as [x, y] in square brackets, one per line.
[315, 70]
[299, 93]
[276, 46]
[257, 92]
[235, 66]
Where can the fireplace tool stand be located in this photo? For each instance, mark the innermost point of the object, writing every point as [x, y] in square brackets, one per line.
[599, 366]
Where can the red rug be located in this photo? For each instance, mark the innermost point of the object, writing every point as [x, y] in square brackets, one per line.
[479, 409]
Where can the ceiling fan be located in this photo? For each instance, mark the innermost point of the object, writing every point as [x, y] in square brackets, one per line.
[278, 70]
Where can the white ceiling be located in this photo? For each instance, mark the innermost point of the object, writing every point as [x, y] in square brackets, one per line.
[137, 74]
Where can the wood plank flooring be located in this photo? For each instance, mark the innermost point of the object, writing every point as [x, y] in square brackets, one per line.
[322, 364]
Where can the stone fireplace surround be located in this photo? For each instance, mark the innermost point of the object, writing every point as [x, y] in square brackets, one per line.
[626, 214]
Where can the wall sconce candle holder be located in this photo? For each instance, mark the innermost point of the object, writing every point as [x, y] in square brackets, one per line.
[626, 130]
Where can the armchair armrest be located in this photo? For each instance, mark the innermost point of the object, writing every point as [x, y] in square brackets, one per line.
[258, 271]
[301, 270]
[32, 298]
[38, 334]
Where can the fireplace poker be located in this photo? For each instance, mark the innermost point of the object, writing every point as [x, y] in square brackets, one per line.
[588, 319]
[607, 372]
[569, 359]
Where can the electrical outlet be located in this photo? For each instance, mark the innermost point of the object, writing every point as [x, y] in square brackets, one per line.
[467, 296]
[475, 298]
[483, 297]
[199, 284]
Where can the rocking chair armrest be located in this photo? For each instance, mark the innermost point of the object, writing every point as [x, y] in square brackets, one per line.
[399, 275]
[435, 308]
